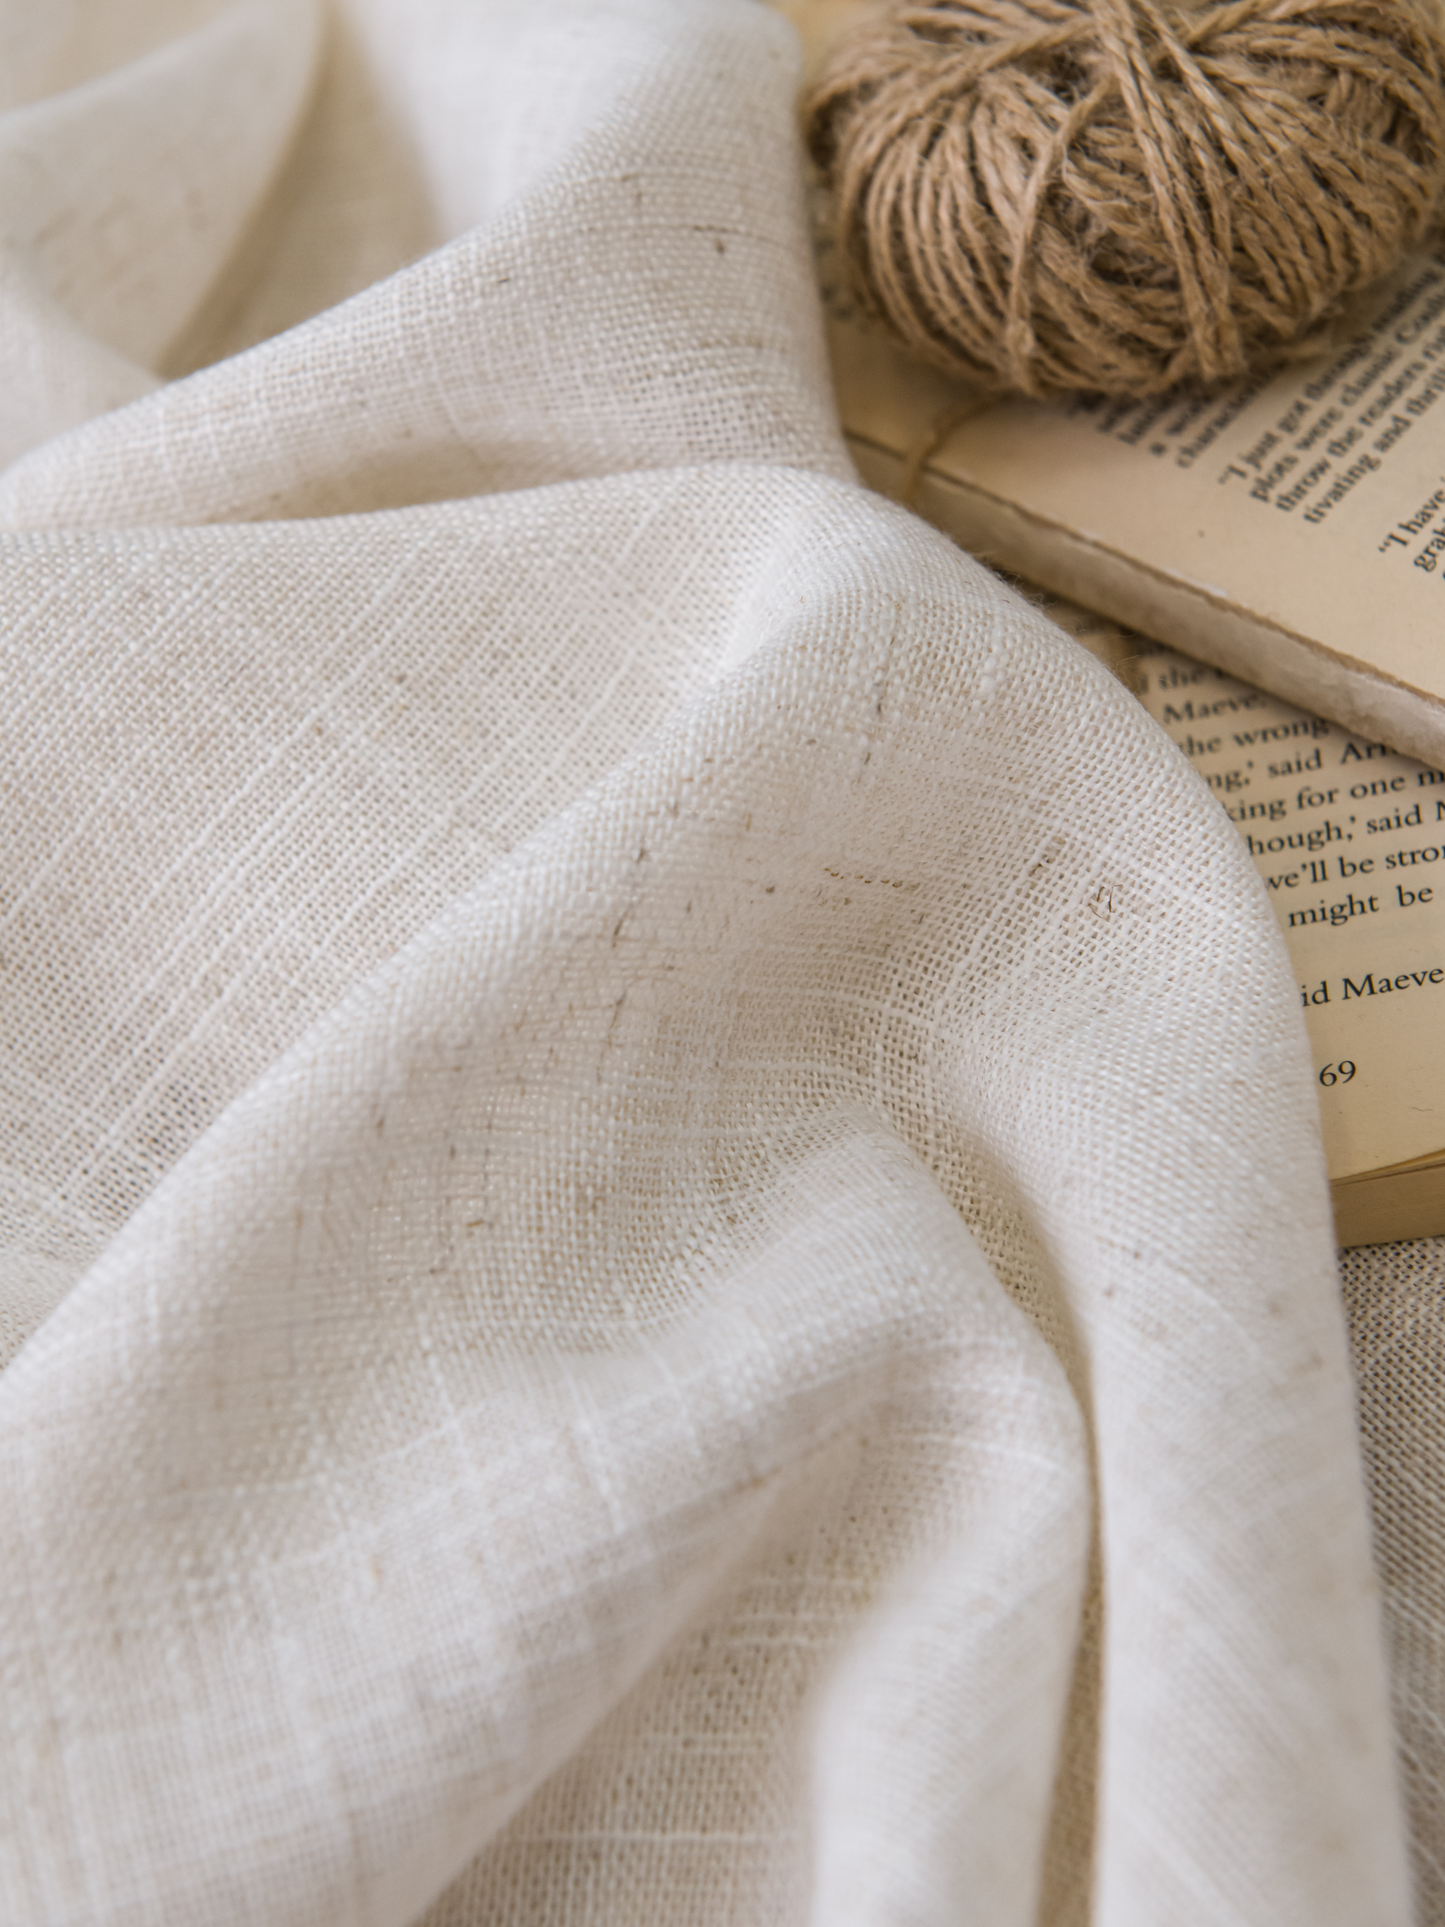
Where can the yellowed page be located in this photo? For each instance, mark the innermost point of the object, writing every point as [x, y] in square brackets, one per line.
[1315, 500]
[1350, 841]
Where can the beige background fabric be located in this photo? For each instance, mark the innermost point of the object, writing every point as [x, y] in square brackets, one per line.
[1395, 1295]
[665, 1250]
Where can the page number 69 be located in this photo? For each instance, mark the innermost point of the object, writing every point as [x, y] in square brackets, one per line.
[1340, 1073]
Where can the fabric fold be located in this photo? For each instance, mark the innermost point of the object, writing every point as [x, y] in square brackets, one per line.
[121, 200]
[557, 340]
[635, 1108]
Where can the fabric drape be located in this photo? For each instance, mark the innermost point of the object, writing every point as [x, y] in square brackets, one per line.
[666, 1256]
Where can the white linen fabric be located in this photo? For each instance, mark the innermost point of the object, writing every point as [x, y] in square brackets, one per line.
[664, 1239]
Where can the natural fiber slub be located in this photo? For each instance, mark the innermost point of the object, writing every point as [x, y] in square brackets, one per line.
[1120, 196]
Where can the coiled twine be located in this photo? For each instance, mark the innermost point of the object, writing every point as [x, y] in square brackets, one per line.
[1119, 197]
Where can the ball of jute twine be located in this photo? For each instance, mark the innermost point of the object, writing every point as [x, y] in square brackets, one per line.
[1118, 196]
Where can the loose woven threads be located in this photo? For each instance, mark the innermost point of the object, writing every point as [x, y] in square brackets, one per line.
[1117, 197]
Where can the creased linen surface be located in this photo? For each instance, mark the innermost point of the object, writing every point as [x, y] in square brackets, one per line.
[665, 1249]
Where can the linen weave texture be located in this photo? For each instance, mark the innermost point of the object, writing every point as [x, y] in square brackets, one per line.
[665, 1252]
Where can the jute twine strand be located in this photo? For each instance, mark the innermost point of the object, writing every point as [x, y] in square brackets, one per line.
[1120, 196]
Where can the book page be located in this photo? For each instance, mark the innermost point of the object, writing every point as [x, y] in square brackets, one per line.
[1349, 839]
[1314, 499]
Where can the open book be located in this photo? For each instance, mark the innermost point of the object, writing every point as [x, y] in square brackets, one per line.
[1288, 530]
